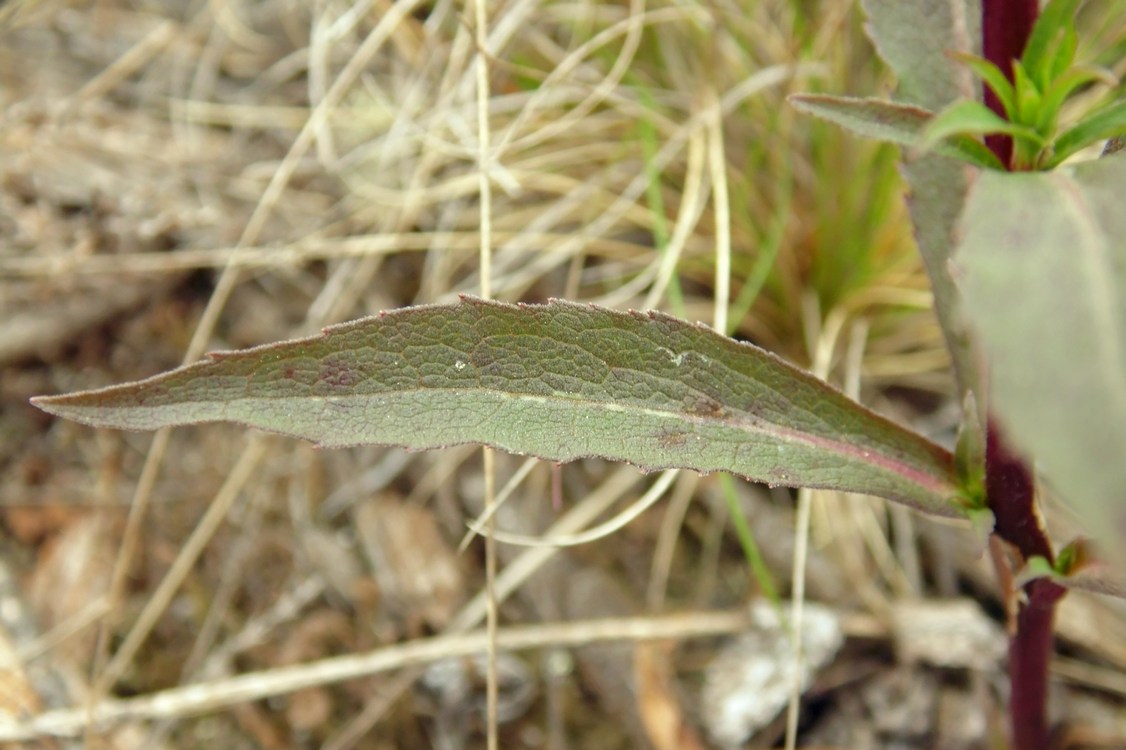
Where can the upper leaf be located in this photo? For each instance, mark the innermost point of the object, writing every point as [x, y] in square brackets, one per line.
[902, 124]
[920, 40]
[881, 120]
[916, 37]
[560, 381]
[1044, 262]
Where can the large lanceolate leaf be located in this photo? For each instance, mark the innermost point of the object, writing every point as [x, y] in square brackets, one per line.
[559, 381]
[1044, 264]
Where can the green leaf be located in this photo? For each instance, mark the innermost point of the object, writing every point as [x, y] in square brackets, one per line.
[1063, 86]
[982, 523]
[1040, 58]
[969, 455]
[1027, 96]
[1044, 265]
[1065, 55]
[994, 78]
[1107, 123]
[1075, 569]
[872, 118]
[916, 37]
[967, 117]
[560, 381]
[902, 124]
[938, 189]
[971, 151]
[1098, 579]
[1034, 568]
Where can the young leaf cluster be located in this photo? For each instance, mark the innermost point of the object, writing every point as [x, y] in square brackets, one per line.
[1042, 81]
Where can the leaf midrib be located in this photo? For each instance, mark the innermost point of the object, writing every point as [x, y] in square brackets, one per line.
[746, 423]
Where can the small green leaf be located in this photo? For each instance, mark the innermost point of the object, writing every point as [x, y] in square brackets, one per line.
[971, 151]
[1027, 96]
[1065, 55]
[901, 124]
[967, 117]
[1063, 86]
[1075, 556]
[1098, 578]
[560, 381]
[1040, 58]
[994, 79]
[1107, 123]
[1075, 570]
[982, 522]
[1035, 567]
[969, 455]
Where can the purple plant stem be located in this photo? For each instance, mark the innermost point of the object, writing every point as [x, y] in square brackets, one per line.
[1009, 487]
[1010, 492]
[1005, 28]
[1030, 651]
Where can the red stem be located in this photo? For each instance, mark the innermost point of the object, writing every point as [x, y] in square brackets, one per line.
[1009, 486]
[1005, 28]
[1030, 651]
[1011, 493]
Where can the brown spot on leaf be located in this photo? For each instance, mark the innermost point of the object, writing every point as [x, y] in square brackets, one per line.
[668, 439]
[338, 374]
[707, 407]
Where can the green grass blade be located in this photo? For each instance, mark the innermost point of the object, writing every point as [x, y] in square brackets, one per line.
[759, 569]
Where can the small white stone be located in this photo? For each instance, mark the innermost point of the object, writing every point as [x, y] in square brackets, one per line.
[748, 682]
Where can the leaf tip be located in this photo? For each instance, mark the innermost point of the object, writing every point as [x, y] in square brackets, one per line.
[55, 405]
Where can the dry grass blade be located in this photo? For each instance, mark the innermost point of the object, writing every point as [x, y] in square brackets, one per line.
[194, 699]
